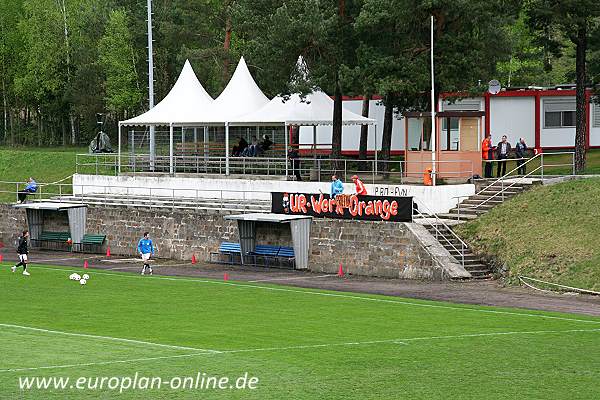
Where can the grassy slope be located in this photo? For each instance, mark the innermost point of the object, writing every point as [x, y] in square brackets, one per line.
[550, 232]
[44, 165]
[230, 316]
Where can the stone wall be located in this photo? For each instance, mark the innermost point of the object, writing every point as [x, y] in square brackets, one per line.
[12, 224]
[364, 248]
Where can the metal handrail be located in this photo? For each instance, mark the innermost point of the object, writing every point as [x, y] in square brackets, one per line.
[271, 165]
[439, 221]
[507, 176]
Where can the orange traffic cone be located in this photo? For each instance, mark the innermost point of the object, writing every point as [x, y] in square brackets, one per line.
[226, 276]
[341, 271]
[108, 252]
[85, 264]
[194, 261]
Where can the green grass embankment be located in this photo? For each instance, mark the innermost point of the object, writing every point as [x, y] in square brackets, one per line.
[550, 233]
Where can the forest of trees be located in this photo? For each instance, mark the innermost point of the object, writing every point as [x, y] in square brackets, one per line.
[63, 61]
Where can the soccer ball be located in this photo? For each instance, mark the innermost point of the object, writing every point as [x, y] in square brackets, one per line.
[86, 276]
[82, 281]
[74, 277]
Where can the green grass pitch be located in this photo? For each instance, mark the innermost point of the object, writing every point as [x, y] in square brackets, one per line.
[299, 343]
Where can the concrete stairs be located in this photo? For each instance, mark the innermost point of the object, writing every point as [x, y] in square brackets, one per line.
[489, 193]
[477, 268]
[486, 198]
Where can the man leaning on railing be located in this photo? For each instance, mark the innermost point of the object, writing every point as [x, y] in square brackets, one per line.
[29, 189]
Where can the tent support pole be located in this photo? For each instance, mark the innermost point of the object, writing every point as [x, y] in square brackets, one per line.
[227, 148]
[315, 142]
[376, 167]
[286, 153]
[206, 143]
[171, 167]
[152, 147]
[119, 151]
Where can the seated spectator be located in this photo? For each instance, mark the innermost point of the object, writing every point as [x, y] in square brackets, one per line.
[265, 144]
[251, 150]
[29, 189]
[240, 147]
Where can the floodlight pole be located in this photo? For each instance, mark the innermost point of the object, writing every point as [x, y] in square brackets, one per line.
[151, 86]
[433, 132]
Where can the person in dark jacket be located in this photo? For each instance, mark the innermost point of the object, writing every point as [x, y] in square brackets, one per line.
[502, 154]
[22, 250]
[241, 146]
[520, 152]
[266, 143]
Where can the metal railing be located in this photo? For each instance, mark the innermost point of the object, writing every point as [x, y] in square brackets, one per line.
[439, 222]
[516, 179]
[311, 169]
[144, 196]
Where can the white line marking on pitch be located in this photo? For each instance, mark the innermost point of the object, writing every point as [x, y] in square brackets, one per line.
[402, 341]
[115, 339]
[336, 295]
[64, 259]
[291, 278]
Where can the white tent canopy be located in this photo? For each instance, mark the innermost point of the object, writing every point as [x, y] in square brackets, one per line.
[315, 108]
[241, 96]
[186, 99]
[241, 103]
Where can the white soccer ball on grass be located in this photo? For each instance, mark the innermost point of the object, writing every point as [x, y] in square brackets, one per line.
[82, 281]
[86, 276]
[74, 277]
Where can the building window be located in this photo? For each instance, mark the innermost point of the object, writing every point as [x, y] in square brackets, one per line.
[449, 135]
[559, 113]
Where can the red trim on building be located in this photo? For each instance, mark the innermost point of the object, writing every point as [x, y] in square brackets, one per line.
[538, 124]
[324, 152]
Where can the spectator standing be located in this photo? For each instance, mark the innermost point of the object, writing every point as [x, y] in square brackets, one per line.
[502, 151]
[361, 190]
[294, 159]
[520, 151]
[487, 153]
[337, 186]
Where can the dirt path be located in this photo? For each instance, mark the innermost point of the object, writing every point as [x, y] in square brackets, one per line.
[489, 293]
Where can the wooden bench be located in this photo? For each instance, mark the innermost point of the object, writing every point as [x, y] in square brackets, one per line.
[230, 250]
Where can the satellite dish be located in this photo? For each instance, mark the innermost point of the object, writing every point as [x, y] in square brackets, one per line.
[494, 87]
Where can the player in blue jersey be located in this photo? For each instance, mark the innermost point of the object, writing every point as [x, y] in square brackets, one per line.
[146, 249]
